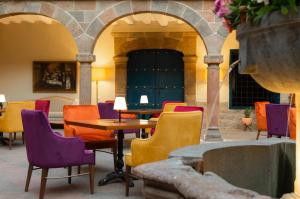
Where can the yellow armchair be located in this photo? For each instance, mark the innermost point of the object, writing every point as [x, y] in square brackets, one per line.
[169, 107]
[11, 121]
[173, 130]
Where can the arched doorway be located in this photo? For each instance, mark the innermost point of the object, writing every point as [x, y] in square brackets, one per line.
[157, 73]
[24, 39]
[146, 31]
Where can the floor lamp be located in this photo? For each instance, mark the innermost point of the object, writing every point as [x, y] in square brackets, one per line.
[98, 74]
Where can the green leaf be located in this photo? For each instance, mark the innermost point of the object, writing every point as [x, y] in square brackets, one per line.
[284, 10]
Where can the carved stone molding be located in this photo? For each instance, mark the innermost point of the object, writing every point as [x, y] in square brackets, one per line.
[213, 59]
[85, 58]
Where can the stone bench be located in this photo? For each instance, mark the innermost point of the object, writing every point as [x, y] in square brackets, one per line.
[265, 166]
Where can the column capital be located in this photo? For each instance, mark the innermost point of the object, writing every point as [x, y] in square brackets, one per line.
[85, 58]
[120, 59]
[213, 59]
[190, 59]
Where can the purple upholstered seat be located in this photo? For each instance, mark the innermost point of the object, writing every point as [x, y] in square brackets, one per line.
[277, 119]
[106, 111]
[47, 149]
[43, 105]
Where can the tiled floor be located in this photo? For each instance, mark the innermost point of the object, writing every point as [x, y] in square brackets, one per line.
[13, 170]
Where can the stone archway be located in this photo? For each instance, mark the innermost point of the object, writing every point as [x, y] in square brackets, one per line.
[213, 37]
[171, 8]
[42, 8]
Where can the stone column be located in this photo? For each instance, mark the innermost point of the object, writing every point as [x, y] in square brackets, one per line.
[85, 91]
[120, 75]
[213, 101]
[190, 79]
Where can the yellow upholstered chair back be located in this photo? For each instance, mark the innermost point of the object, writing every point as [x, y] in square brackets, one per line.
[169, 107]
[173, 130]
[11, 121]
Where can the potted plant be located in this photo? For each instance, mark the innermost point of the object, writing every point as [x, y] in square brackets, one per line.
[247, 120]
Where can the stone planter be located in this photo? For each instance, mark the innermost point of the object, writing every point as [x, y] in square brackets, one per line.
[269, 52]
[246, 121]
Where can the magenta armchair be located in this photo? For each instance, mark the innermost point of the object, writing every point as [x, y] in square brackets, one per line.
[47, 149]
[43, 105]
[188, 108]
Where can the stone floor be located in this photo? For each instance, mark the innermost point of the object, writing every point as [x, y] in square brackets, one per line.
[13, 170]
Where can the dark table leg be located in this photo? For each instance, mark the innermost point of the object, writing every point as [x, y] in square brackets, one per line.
[118, 174]
[144, 134]
[3, 140]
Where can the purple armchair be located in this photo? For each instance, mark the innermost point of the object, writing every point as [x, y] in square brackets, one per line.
[47, 149]
[277, 119]
[43, 105]
[106, 111]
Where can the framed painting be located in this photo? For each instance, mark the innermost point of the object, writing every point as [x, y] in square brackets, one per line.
[54, 76]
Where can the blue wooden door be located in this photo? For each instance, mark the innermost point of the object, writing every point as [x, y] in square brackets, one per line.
[157, 73]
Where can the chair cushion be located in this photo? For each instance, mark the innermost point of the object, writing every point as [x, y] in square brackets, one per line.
[88, 134]
[154, 119]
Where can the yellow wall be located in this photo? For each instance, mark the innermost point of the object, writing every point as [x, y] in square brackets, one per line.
[201, 72]
[230, 43]
[104, 51]
[22, 43]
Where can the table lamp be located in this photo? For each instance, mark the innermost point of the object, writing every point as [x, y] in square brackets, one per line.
[119, 105]
[98, 74]
[2, 100]
[144, 100]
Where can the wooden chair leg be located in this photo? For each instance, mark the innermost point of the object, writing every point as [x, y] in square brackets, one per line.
[29, 172]
[69, 174]
[127, 179]
[43, 182]
[92, 178]
[258, 133]
[10, 141]
[15, 136]
[78, 169]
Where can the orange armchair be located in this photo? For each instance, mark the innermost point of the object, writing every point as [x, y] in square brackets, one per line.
[261, 117]
[292, 123]
[93, 138]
